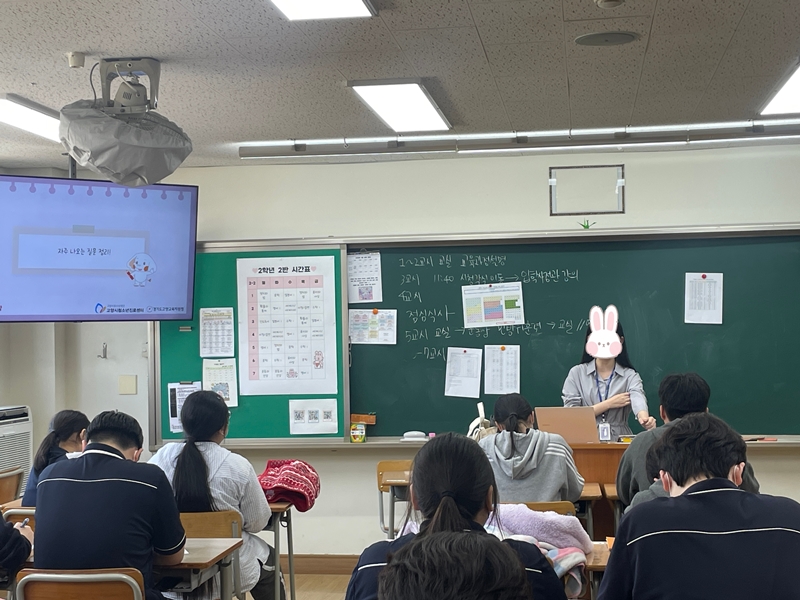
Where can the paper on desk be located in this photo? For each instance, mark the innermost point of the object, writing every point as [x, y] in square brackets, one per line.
[216, 332]
[463, 378]
[364, 282]
[313, 416]
[177, 394]
[502, 370]
[373, 327]
[492, 304]
[220, 376]
[703, 302]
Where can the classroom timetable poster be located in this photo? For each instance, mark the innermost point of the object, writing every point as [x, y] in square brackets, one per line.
[501, 370]
[703, 298]
[287, 325]
[492, 304]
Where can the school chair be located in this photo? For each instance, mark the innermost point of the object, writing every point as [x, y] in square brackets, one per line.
[610, 492]
[105, 584]
[217, 524]
[393, 478]
[562, 507]
[11, 484]
[17, 515]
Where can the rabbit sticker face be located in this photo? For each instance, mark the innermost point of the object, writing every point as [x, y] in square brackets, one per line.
[141, 268]
[603, 341]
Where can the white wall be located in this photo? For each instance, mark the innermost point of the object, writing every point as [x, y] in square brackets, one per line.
[52, 366]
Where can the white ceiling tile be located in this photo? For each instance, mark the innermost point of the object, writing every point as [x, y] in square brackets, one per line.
[371, 65]
[535, 104]
[348, 35]
[528, 60]
[244, 18]
[424, 14]
[697, 17]
[582, 10]
[518, 22]
[732, 99]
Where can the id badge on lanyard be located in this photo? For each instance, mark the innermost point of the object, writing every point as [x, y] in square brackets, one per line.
[604, 429]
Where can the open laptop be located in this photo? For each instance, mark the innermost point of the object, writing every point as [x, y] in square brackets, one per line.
[576, 425]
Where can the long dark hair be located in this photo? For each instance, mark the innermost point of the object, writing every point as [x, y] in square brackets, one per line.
[64, 425]
[509, 410]
[622, 359]
[451, 476]
[203, 414]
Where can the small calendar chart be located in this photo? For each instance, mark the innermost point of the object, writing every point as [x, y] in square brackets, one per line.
[287, 325]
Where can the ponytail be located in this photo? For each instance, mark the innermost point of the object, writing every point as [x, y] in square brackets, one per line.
[64, 425]
[451, 478]
[203, 414]
[509, 410]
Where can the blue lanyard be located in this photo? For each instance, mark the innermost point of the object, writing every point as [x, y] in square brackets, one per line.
[608, 388]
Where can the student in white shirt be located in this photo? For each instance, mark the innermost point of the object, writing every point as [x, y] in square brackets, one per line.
[207, 477]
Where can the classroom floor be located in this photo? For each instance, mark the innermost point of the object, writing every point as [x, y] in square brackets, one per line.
[319, 587]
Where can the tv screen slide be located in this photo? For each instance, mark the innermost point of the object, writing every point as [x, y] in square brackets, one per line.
[80, 250]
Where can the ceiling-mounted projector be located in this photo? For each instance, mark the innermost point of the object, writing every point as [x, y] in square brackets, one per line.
[124, 139]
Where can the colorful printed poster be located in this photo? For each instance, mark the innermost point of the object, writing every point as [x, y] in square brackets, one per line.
[287, 325]
[373, 326]
[492, 304]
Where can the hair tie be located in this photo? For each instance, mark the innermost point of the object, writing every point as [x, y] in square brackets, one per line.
[448, 494]
[513, 415]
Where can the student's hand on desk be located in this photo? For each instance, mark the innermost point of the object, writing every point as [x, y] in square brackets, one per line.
[26, 531]
[646, 420]
[619, 401]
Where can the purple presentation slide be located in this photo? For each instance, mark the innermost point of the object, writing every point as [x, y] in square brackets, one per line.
[79, 250]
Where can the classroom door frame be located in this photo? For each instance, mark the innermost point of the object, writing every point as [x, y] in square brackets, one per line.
[154, 396]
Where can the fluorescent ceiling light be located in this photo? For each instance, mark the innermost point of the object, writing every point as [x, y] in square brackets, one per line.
[301, 10]
[27, 115]
[787, 100]
[403, 105]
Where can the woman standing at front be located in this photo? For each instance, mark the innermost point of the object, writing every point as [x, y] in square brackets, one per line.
[606, 380]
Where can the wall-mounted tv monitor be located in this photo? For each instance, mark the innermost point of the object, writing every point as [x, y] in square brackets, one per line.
[81, 250]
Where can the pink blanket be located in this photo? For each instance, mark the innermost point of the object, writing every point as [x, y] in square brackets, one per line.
[561, 531]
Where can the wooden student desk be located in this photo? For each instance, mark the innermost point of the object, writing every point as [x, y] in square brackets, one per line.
[596, 562]
[202, 559]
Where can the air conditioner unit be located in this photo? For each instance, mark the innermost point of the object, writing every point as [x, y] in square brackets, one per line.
[16, 439]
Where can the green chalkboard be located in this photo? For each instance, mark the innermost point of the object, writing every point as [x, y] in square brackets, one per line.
[750, 360]
[256, 417]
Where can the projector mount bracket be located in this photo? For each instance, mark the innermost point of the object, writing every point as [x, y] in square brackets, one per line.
[111, 68]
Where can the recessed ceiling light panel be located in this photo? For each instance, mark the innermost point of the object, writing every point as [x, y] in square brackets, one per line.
[787, 100]
[607, 38]
[303, 10]
[403, 105]
[19, 112]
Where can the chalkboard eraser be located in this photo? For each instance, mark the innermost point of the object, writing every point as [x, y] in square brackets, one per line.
[185, 328]
[414, 436]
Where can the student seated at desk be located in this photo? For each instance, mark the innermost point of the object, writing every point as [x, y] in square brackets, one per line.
[208, 477]
[679, 395]
[529, 465]
[605, 379]
[709, 539]
[16, 542]
[454, 566]
[103, 510]
[67, 431]
[452, 485]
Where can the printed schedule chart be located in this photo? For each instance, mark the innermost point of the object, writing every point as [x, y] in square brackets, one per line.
[287, 326]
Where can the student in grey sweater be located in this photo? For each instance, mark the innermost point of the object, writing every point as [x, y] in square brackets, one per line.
[529, 465]
[679, 395]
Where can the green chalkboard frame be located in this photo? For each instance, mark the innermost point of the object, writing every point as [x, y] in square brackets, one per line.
[748, 361]
[174, 354]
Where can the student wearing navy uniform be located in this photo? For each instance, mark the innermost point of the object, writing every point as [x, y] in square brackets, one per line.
[709, 539]
[103, 510]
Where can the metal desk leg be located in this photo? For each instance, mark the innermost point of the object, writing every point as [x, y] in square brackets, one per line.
[276, 529]
[291, 551]
[390, 524]
[589, 519]
[226, 578]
